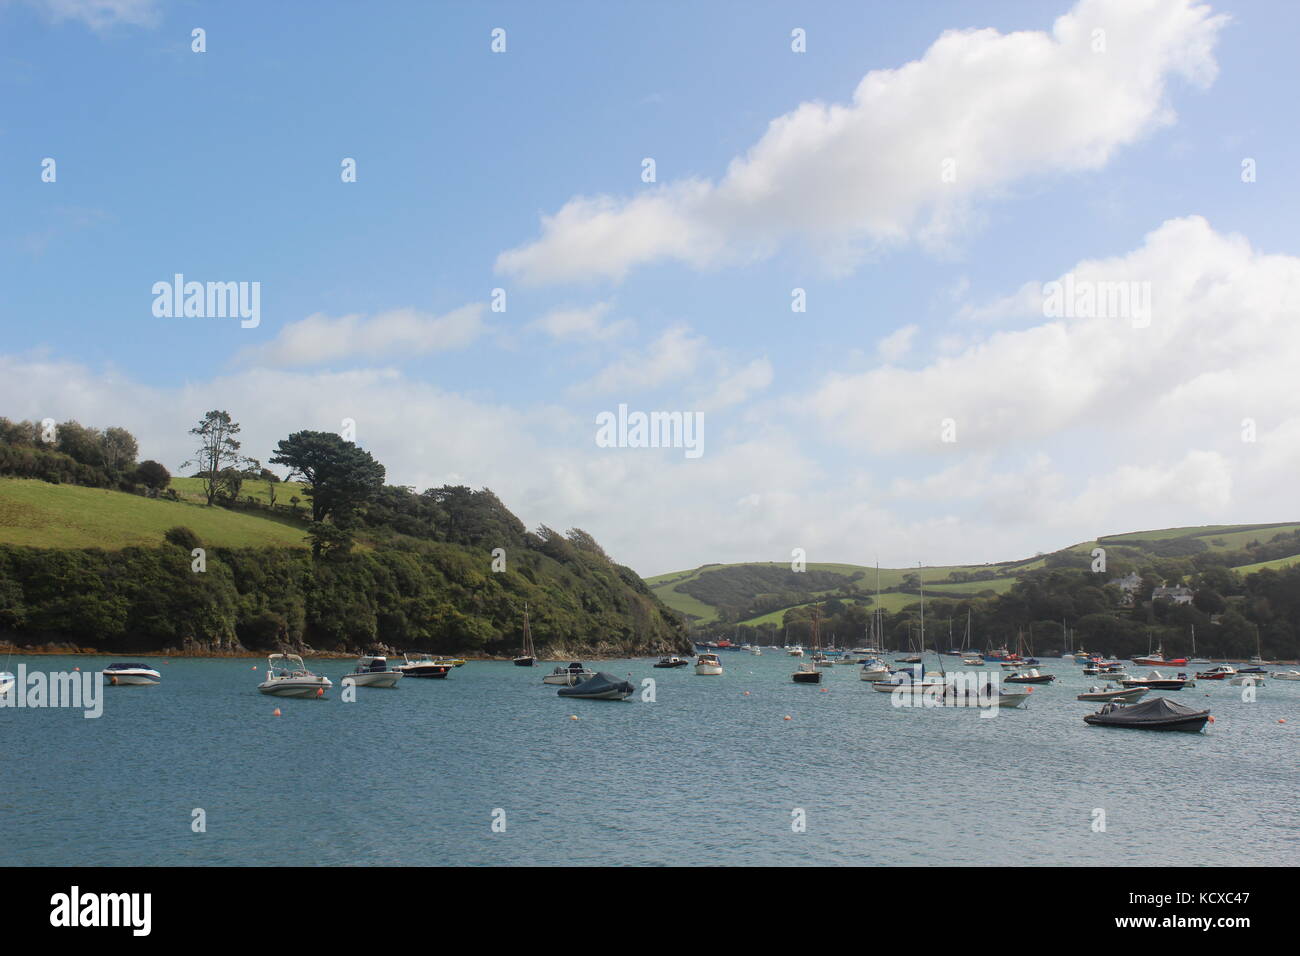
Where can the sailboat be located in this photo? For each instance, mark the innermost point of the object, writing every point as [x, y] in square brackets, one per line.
[1258, 659]
[916, 684]
[968, 657]
[808, 672]
[1195, 659]
[527, 657]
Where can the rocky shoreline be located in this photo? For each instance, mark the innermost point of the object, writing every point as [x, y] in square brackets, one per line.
[552, 653]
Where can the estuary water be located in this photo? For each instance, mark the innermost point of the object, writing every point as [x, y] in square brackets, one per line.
[709, 773]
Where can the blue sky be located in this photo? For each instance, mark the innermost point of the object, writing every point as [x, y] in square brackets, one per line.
[1122, 164]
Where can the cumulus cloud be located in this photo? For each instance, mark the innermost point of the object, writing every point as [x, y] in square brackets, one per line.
[1220, 338]
[319, 339]
[674, 355]
[908, 155]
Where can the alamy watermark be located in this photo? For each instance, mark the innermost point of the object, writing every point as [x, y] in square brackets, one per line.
[651, 430]
[1071, 298]
[208, 300]
[79, 689]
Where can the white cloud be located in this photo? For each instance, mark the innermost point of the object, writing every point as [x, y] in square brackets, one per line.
[1003, 107]
[582, 324]
[1222, 343]
[320, 339]
[897, 344]
[674, 355]
[738, 387]
[100, 14]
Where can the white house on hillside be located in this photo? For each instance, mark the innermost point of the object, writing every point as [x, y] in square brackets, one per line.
[1178, 595]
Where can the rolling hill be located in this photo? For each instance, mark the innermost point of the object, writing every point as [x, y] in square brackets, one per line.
[703, 592]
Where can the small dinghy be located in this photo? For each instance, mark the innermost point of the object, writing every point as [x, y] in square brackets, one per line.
[1129, 695]
[604, 686]
[1159, 713]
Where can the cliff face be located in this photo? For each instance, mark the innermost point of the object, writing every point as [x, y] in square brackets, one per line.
[414, 595]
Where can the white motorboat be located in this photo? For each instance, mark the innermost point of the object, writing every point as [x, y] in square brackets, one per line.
[708, 665]
[7, 681]
[972, 662]
[755, 650]
[372, 670]
[795, 651]
[129, 675]
[1276, 675]
[575, 673]
[1247, 680]
[909, 687]
[288, 676]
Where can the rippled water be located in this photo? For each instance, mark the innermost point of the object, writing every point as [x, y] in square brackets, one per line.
[704, 775]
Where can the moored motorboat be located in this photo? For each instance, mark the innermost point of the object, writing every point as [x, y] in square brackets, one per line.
[372, 670]
[570, 676]
[807, 674]
[288, 676]
[972, 662]
[603, 686]
[672, 660]
[1222, 672]
[128, 675]
[795, 651]
[708, 665]
[1127, 695]
[1277, 675]
[1031, 676]
[1157, 681]
[1159, 713]
[426, 666]
[1247, 680]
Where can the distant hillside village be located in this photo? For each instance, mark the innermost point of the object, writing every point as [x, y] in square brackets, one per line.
[1131, 585]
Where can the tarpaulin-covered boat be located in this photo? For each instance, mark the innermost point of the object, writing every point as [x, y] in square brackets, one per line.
[604, 686]
[1159, 713]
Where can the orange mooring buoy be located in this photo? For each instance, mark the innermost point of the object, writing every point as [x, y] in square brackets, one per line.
[786, 717]
[276, 712]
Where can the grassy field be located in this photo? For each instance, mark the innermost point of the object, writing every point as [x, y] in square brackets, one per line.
[191, 489]
[1274, 565]
[43, 515]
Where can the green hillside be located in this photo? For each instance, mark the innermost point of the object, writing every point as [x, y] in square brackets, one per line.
[43, 515]
[703, 593]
